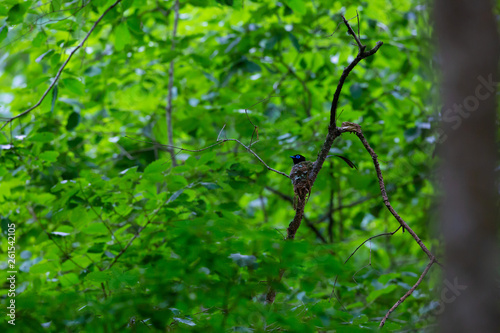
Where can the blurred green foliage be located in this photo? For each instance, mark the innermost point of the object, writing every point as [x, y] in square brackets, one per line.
[112, 237]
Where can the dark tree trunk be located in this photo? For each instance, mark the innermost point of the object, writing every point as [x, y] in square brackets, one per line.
[468, 44]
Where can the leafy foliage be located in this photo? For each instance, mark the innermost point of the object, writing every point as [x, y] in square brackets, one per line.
[112, 236]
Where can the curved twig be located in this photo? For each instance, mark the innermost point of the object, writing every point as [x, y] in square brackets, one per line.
[409, 292]
[333, 131]
[168, 113]
[369, 239]
[255, 127]
[99, 216]
[356, 129]
[213, 145]
[59, 72]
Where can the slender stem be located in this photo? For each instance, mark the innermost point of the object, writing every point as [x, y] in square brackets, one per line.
[333, 133]
[168, 112]
[213, 145]
[61, 69]
[409, 292]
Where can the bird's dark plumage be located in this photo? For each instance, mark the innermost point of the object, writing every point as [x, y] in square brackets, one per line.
[297, 158]
[345, 159]
[300, 176]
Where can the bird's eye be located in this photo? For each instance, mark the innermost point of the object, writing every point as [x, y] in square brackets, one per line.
[297, 156]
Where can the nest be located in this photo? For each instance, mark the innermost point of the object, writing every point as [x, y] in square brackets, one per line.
[301, 183]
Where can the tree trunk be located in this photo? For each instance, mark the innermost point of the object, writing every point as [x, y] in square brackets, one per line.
[468, 44]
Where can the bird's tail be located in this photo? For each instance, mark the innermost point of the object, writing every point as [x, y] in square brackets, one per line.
[348, 161]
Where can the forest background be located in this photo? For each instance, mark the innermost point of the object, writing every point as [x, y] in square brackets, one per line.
[115, 229]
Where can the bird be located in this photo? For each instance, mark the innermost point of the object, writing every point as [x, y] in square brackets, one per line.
[300, 177]
[299, 158]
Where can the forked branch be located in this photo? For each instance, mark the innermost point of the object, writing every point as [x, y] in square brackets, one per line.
[333, 131]
[348, 127]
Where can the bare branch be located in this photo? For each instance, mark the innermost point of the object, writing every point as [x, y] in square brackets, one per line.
[168, 113]
[256, 128]
[369, 239]
[213, 145]
[333, 133]
[149, 219]
[99, 215]
[58, 75]
[334, 294]
[222, 129]
[49, 235]
[409, 292]
[356, 129]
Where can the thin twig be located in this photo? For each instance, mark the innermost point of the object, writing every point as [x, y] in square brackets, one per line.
[58, 75]
[369, 239]
[222, 129]
[99, 215]
[213, 145]
[334, 294]
[149, 219]
[369, 264]
[256, 128]
[49, 235]
[409, 292]
[333, 133]
[357, 130]
[168, 112]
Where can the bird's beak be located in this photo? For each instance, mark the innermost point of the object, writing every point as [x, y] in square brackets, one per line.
[290, 156]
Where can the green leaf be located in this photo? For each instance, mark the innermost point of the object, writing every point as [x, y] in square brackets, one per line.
[3, 32]
[39, 39]
[122, 37]
[49, 156]
[210, 186]
[169, 56]
[43, 267]
[56, 5]
[43, 55]
[298, 6]
[251, 66]
[154, 171]
[96, 229]
[16, 13]
[175, 183]
[356, 90]
[42, 137]
[134, 24]
[99, 276]
[73, 121]
[377, 293]
[69, 279]
[55, 90]
[96, 248]
[157, 166]
[73, 85]
[185, 321]
[294, 40]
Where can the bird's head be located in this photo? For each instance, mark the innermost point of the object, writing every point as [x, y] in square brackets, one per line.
[297, 158]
